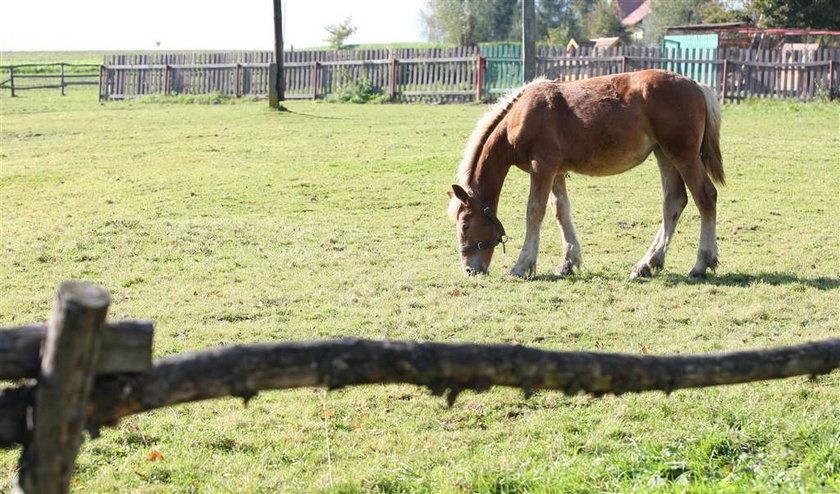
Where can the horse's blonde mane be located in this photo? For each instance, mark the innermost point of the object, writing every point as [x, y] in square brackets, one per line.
[482, 131]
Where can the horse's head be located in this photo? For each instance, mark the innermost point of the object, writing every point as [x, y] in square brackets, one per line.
[479, 231]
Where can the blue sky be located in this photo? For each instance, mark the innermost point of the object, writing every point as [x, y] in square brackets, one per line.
[191, 24]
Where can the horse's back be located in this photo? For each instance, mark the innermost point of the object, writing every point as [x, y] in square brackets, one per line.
[609, 124]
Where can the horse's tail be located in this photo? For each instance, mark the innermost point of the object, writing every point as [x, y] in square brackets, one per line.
[710, 148]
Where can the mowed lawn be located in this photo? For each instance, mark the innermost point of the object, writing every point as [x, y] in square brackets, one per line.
[232, 223]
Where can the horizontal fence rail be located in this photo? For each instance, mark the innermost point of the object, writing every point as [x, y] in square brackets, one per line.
[466, 74]
[58, 75]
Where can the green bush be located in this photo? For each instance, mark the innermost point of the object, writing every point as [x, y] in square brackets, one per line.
[360, 91]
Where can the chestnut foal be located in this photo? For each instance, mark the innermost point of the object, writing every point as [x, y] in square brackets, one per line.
[599, 126]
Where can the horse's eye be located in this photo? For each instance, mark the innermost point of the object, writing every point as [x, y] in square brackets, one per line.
[466, 227]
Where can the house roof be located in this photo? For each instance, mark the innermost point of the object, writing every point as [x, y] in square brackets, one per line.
[626, 7]
[637, 15]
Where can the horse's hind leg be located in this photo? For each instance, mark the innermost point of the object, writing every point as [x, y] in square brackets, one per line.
[674, 200]
[705, 197]
[563, 212]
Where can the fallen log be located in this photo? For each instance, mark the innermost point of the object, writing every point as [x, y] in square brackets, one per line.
[245, 370]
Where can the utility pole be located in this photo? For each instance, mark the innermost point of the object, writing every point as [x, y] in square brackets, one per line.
[529, 44]
[277, 91]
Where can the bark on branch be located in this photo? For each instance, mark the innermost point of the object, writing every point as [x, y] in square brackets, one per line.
[444, 368]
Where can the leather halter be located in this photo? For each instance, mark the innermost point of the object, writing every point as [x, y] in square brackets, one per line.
[488, 244]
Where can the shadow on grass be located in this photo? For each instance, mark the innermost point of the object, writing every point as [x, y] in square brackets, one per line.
[747, 279]
[311, 115]
[726, 279]
[583, 277]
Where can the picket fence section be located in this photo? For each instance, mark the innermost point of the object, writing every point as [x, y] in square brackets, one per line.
[465, 74]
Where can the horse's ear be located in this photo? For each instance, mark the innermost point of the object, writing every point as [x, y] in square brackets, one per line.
[461, 194]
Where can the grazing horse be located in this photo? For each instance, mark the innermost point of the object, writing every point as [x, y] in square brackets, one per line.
[599, 126]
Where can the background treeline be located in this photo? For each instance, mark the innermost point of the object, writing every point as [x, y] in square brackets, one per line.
[467, 22]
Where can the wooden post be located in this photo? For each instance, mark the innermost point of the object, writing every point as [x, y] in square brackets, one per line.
[624, 63]
[480, 66]
[529, 45]
[101, 81]
[166, 77]
[237, 83]
[279, 80]
[12, 80]
[62, 79]
[831, 80]
[64, 383]
[273, 97]
[315, 79]
[392, 81]
[723, 80]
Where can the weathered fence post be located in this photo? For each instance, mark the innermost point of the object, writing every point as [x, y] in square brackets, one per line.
[316, 78]
[62, 79]
[273, 95]
[64, 382]
[723, 80]
[166, 77]
[480, 66]
[392, 81]
[237, 83]
[12, 80]
[831, 80]
[101, 81]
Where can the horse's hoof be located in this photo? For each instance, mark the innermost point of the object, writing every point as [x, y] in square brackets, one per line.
[643, 271]
[697, 274]
[525, 272]
[567, 269]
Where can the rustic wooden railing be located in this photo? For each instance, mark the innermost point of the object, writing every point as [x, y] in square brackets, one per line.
[90, 373]
[48, 76]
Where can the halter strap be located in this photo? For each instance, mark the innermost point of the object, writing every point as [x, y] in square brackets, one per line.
[489, 244]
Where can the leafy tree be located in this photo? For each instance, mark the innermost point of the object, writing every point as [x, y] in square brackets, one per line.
[467, 22]
[558, 36]
[557, 19]
[664, 13]
[337, 34]
[816, 14]
[605, 21]
[560, 20]
[504, 20]
[717, 12]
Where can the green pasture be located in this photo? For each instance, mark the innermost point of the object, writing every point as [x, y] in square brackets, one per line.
[232, 223]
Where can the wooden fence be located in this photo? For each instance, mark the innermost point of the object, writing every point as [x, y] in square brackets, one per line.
[48, 76]
[473, 78]
[90, 373]
[132, 81]
[234, 57]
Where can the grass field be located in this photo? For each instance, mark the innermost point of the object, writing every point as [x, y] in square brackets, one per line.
[232, 223]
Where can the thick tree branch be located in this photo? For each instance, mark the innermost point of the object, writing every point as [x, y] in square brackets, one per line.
[245, 370]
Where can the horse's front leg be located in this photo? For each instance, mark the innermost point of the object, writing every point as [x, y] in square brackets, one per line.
[541, 183]
[563, 213]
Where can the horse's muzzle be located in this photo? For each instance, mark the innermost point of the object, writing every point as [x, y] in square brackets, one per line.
[471, 271]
